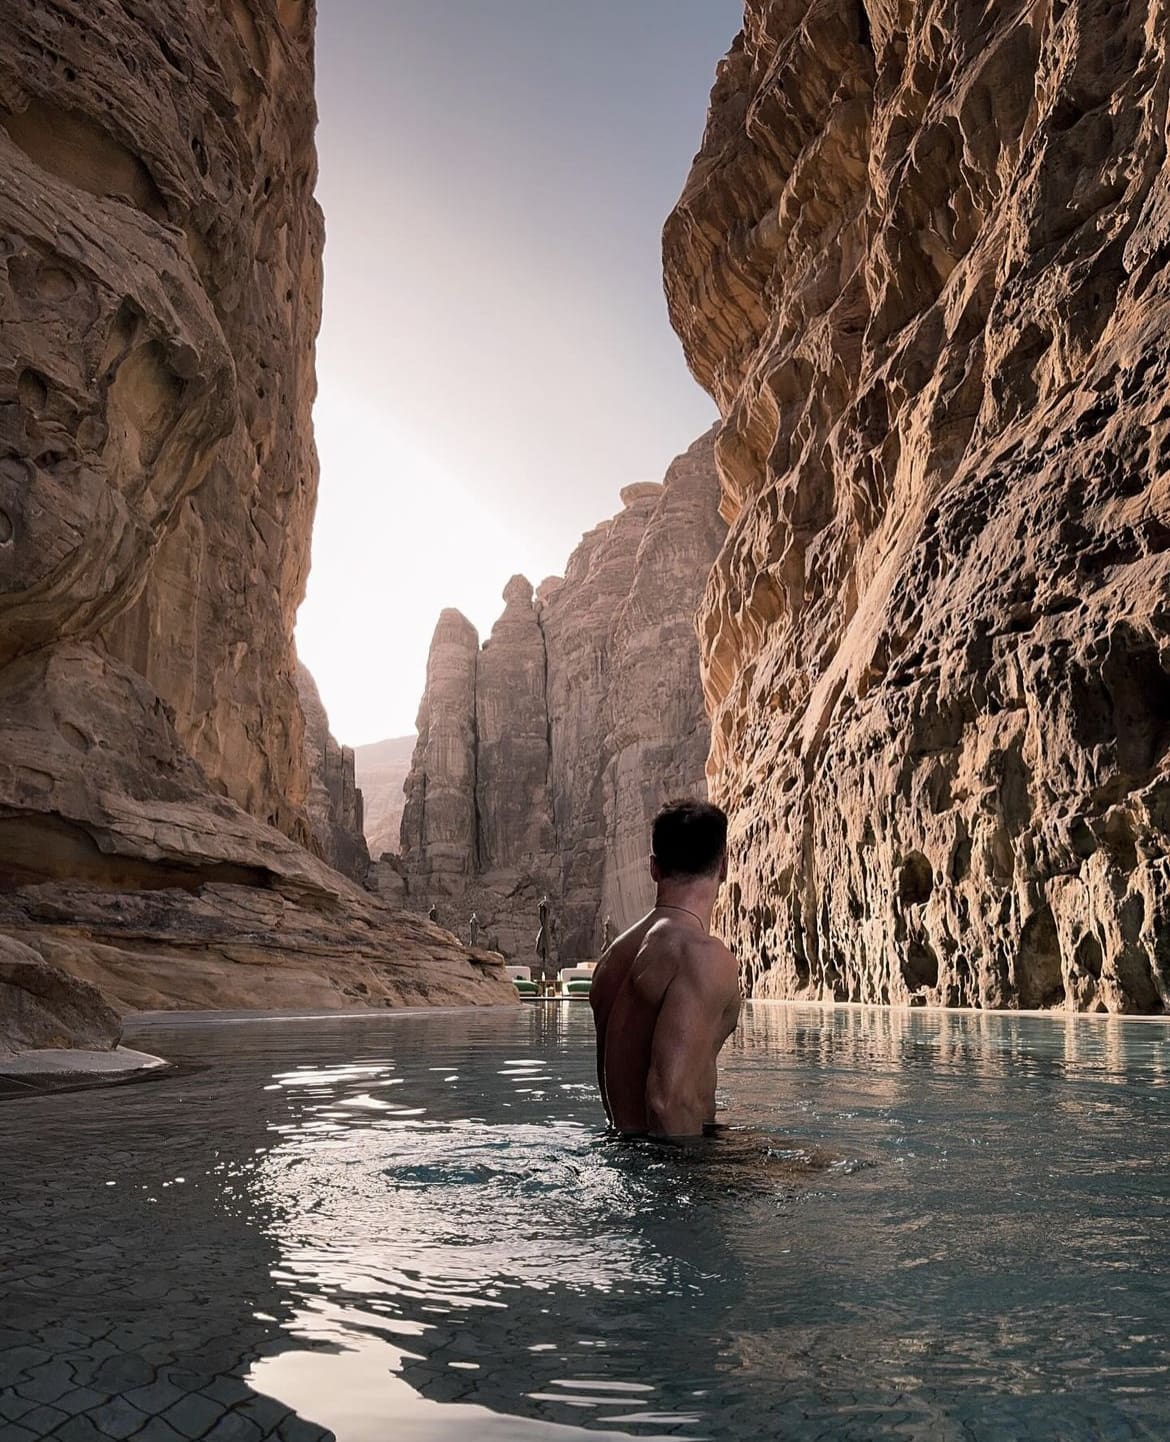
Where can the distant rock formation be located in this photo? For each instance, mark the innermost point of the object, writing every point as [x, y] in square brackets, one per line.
[381, 769]
[438, 818]
[333, 802]
[160, 276]
[542, 757]
[513, 756]
[922, 263]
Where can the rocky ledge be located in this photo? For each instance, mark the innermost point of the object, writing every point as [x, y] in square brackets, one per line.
[230, 946]
[44, 1007]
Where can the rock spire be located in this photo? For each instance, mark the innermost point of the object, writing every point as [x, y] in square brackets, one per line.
[542, 756]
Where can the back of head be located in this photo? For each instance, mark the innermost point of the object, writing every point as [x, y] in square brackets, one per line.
[689, 838]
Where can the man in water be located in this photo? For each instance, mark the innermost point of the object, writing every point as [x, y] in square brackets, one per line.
[665, 995]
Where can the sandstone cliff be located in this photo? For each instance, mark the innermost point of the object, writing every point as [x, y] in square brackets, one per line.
[657, 732]
[542, 756]
[923, 265]
[334, 803]
[160, 255]
[380, 770]
[438, 817]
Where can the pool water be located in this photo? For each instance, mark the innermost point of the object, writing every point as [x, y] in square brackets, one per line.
[403, 1227]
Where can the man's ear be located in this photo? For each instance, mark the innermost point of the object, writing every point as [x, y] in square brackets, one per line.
[655, 870]
[723, 870]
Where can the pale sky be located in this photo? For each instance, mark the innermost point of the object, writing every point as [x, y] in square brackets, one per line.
[495, 361]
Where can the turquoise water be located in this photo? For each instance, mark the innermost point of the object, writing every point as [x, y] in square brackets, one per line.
[412, 1227]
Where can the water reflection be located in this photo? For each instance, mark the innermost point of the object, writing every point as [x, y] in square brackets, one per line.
[925, 1225]
[528, 1261]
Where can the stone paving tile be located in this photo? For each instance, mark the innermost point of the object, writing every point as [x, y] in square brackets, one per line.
[122, 1373]
[29, 1278]
[118, 1418]
[13, 1406]
[48, 1382]
[156, 1430]
[13, 1432]
[78, 1429]
[446, 1387]
[193, 1415]
[17, 1362]
[228, 1390]
[155, 1397]
[98, 1351]
[266, 1412]
[132, 1340]
[80, 1399]
[187, 1380]
[64, 1339]
[234, 1427]
[295, 1429]
[43, 1420]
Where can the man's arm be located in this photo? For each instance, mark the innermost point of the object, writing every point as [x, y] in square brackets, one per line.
[690, 1029]
[600, 1016]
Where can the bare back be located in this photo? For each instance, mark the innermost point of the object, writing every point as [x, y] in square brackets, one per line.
[665, 998]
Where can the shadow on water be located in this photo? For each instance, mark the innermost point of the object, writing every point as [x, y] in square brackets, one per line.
[917, 1226]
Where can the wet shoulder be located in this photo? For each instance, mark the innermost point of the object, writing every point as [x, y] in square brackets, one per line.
[614, 966]
[710, 964]
[660, 958]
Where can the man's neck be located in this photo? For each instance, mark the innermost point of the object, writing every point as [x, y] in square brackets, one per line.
[696, 897]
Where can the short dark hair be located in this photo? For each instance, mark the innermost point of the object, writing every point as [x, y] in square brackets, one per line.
[689, 838]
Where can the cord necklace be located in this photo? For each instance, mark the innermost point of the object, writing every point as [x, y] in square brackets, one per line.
[666, 906]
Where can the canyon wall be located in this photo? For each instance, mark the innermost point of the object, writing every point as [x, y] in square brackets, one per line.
[333, 801]
[380, 770]
[542, 756]
[160, 279]
[922, 263]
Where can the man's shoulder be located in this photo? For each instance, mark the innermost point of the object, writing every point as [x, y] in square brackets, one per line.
[615, 963]
[709, 961]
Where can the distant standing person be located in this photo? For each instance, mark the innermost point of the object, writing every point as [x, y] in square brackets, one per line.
[665, 995]
[544, 941]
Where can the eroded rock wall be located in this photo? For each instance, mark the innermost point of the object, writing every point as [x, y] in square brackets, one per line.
[163, 273]
[656, 730]
[160, 279]
[438, 819]
[333, 801]
[559, 739]
[922, 263]
[580, 617]
[513, 744]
